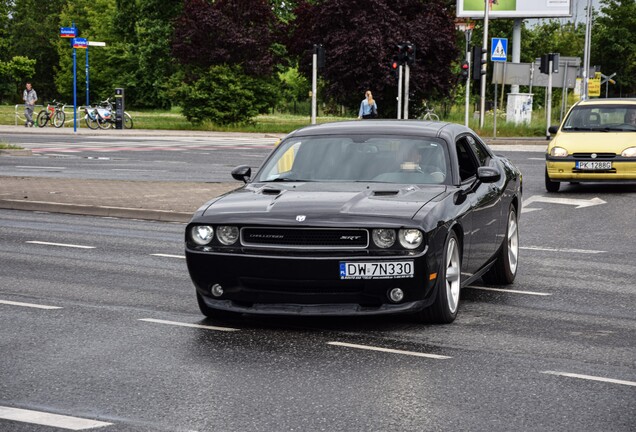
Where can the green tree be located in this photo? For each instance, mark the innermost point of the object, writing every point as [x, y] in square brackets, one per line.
[15, 72]
[154, 32]
[34, 33]
[614, 44]
[360, 38]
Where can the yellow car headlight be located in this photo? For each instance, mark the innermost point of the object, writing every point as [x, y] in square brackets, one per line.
[629, 152]
[558, 152]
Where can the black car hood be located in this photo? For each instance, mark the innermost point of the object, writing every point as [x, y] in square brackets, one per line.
[325, 200]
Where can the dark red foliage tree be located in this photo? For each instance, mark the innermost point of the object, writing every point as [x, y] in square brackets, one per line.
[234, 32]
[360, 38]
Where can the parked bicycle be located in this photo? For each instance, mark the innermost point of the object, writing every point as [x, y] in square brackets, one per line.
[429, 114]
[53, 113]
[103, 116]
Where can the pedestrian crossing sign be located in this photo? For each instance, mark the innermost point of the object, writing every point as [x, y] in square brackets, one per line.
[499, 49]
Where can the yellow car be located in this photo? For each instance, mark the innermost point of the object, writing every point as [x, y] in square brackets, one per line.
[595, 143]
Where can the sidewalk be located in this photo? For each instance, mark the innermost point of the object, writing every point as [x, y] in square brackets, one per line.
[162, 201]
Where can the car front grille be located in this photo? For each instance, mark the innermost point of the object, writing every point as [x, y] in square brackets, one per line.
[598, 155]
[305, 238]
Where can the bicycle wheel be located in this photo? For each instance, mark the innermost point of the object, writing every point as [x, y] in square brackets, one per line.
[58, 119]
[43, 118]
[433, 117]
[91, 122]
[103, 123]
[128, 122]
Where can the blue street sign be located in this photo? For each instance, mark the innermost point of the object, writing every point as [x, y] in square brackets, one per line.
[68, 32]
[80, 43]
[499, 49]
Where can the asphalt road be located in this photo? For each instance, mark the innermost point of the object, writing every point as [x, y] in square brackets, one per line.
[557, 351]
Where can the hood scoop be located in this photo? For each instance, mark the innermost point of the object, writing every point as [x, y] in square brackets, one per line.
[270, 191]
[382, 193]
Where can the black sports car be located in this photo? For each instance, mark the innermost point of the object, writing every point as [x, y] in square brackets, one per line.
[359, 218]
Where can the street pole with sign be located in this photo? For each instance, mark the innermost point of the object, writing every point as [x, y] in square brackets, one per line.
[484, 69]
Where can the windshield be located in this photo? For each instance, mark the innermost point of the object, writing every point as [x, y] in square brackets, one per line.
[602, 118]
[384, 159]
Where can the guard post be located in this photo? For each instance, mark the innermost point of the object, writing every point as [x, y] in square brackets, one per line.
[119, 108]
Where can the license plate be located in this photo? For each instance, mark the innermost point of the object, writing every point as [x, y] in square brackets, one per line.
[593, 165]
[376, 270]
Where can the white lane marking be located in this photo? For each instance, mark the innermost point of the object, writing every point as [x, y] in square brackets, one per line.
[60, 244]
[174, 323]
[591, 378]
[38, 167]
[31, 305]
[583, 251]
[52, 420]
[541, 159]
[579, 203]
[510, 291]
[135, 170]
[168, 256]
[388, 350]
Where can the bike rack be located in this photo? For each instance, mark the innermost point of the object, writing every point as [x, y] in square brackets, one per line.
[17, 116]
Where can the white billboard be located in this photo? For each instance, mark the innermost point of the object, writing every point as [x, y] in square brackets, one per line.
[515, 8]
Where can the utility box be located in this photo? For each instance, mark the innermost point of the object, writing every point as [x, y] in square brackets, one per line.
[119, 108]
[519, 108]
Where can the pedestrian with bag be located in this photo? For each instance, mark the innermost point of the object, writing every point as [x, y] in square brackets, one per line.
[368, 107]
[30, 97]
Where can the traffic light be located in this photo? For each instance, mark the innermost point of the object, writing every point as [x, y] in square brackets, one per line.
[319, 50]
[544, 65]
[394, 67]
[465, 70]
[401, 54]
[410, 53]
[478, 62]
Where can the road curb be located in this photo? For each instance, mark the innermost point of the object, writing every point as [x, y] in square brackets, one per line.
[89, 210]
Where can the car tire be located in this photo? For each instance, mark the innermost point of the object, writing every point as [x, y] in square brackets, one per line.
[213, 313]
[504, 269]
[444, 308]
[551, 186]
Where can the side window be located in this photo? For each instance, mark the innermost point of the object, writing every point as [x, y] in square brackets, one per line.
[482, 153]
[466, 159]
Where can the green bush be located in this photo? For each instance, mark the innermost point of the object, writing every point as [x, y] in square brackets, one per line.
[225, 96]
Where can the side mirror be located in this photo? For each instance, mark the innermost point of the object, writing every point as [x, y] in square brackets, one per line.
[488, 174]
[242, 172]
[553, 129]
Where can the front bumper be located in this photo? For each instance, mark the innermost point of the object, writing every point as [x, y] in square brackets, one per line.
[564, 169]
[284, 285]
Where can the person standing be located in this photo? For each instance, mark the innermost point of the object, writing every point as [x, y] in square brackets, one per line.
[368, 107]
[30, 97]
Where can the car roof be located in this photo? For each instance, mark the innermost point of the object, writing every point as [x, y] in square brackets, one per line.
[384, 127]
[607, 101]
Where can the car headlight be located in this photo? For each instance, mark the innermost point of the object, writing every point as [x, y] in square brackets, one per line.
[227, 235]
[411, 238]
[629, 152]
[202, 234]
[383, 238]
[558, 152]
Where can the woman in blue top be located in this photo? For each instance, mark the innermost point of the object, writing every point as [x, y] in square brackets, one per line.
[368, 107]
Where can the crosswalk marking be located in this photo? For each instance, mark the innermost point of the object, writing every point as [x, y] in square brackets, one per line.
[179, 144]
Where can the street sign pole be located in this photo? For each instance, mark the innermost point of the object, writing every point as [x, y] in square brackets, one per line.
[407, 77]
[484, 69]
[314, 79]
[467, 101]
[549, 102]
[399, 94]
